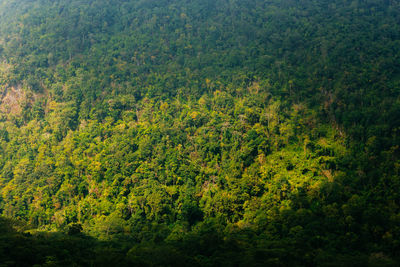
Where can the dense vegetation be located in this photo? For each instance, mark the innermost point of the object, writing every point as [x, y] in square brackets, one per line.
[200, 133]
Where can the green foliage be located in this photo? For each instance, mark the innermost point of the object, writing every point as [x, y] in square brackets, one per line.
[201, 133]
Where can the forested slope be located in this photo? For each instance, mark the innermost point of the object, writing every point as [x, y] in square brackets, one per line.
[200, 132]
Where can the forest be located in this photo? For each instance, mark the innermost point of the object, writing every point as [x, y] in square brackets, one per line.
[199, 133]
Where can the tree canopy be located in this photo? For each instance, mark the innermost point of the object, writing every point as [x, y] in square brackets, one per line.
[199, 133]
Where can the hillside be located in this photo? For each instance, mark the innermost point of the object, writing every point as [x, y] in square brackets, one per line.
[200, 133]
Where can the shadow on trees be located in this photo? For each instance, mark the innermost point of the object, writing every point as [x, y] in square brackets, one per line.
[306, 241]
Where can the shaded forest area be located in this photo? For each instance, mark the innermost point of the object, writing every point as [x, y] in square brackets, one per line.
[199, 133]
